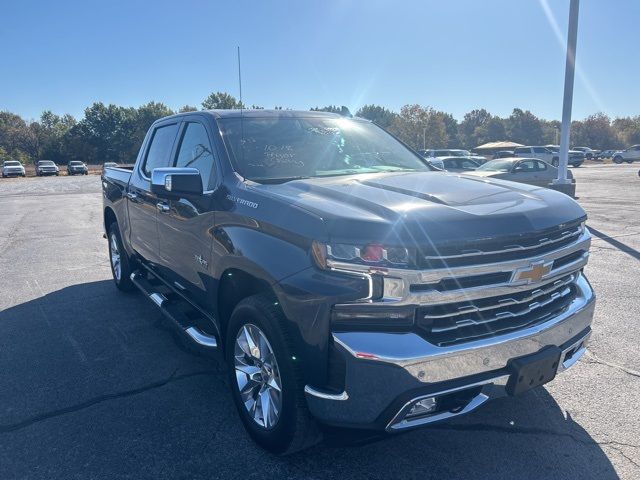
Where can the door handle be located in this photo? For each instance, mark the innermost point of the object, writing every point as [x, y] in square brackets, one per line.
[132, 196]
[162, 207]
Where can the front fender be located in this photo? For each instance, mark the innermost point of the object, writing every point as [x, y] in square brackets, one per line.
[304, 292]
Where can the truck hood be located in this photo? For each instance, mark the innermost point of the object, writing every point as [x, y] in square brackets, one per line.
[425, 207]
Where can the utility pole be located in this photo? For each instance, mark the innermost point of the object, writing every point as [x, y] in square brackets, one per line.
[570, 67]
[424, 138]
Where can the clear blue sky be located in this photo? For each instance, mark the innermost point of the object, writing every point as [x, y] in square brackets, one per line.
[454, 55]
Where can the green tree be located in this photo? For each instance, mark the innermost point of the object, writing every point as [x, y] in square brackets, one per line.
[328, 108]
[471, 126]
[627, 131]
[524, 127]
[420, 127]
[377, 114]
[187, 108]
[221, 101]
[594, 131]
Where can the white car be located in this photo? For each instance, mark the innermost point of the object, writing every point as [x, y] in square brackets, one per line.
[12, 168]
[629, 155]
[452, 152]
[549, 154]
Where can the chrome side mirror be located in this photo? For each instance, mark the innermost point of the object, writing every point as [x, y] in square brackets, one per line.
[172, 182]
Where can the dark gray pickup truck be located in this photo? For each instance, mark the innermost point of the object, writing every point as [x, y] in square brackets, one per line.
[346, 281]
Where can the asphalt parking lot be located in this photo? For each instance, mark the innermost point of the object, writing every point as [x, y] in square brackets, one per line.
[93, 383]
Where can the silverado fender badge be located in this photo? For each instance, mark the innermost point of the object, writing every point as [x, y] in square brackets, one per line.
[242, 201]
[533, 273]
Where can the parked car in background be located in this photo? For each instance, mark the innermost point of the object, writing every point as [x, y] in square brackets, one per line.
[629, 155]
[523, 170]
[12, 168]
[606, 154]
[454, 152]
[549, 154]
[454, 164]
[46, 167]
[589, 153]
[77, 167]
[503, 154]
[109, 164]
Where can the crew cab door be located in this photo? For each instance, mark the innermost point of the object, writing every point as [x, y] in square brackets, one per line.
[185, 223]
[142, 203]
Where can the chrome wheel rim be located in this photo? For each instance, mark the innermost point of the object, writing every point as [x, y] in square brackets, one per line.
[115, 257]
[258, 376]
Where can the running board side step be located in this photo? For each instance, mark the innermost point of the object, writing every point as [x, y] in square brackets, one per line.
[170, 306]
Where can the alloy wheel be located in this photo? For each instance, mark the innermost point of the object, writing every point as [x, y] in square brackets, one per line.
[115, 257]
[258, 376]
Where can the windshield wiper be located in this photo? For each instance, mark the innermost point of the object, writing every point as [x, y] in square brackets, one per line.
[268, 181]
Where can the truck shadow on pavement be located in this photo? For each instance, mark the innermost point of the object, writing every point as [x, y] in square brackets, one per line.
[615, 243]
[95, 384]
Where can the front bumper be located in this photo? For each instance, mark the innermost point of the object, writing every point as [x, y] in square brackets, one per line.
[387, 372]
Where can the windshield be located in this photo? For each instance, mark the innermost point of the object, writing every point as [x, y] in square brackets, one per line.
[75, 164]
[11, 164]
[272, 149]
[46, 163]
[497, 166]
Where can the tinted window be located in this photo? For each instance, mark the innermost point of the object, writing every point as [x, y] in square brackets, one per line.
[441, 153]
[195, 152]
[539, 150]
[469, 164]
[527, 166]
[160, 148]
[521, 150]
[541, 166]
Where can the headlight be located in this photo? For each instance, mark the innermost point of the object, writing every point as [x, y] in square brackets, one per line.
[370, 254]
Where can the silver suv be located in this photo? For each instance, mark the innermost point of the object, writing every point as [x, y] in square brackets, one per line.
[629, 155]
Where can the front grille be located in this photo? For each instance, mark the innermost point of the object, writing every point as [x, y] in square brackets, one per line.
[453, 323]
[501, 250]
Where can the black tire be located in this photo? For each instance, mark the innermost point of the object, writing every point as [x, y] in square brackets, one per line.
[294, 429]
[555, 162]
[618, 159]
[122, 281]
[629, 160]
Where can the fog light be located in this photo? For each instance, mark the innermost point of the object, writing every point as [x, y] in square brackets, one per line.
[422, 407]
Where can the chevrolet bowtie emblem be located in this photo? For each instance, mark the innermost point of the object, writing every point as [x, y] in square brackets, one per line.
[533, 273]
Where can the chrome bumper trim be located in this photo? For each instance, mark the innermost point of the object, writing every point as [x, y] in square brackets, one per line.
[430, 363]
[496, 389]
[326, 396]
[398, 422]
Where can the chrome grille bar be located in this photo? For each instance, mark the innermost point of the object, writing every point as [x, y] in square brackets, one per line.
[547, 289]
[502, 315]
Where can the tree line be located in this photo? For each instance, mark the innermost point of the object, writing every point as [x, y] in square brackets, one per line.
[115, 133]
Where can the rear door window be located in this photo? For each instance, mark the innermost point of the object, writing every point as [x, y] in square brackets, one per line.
[159, 153]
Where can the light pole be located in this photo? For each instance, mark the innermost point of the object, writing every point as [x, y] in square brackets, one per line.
[424, 138]
[570, 67]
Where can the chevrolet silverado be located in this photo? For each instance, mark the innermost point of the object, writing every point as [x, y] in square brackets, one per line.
[346, 281]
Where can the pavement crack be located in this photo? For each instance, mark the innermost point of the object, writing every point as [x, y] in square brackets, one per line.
[41, 417]
[591, 357]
